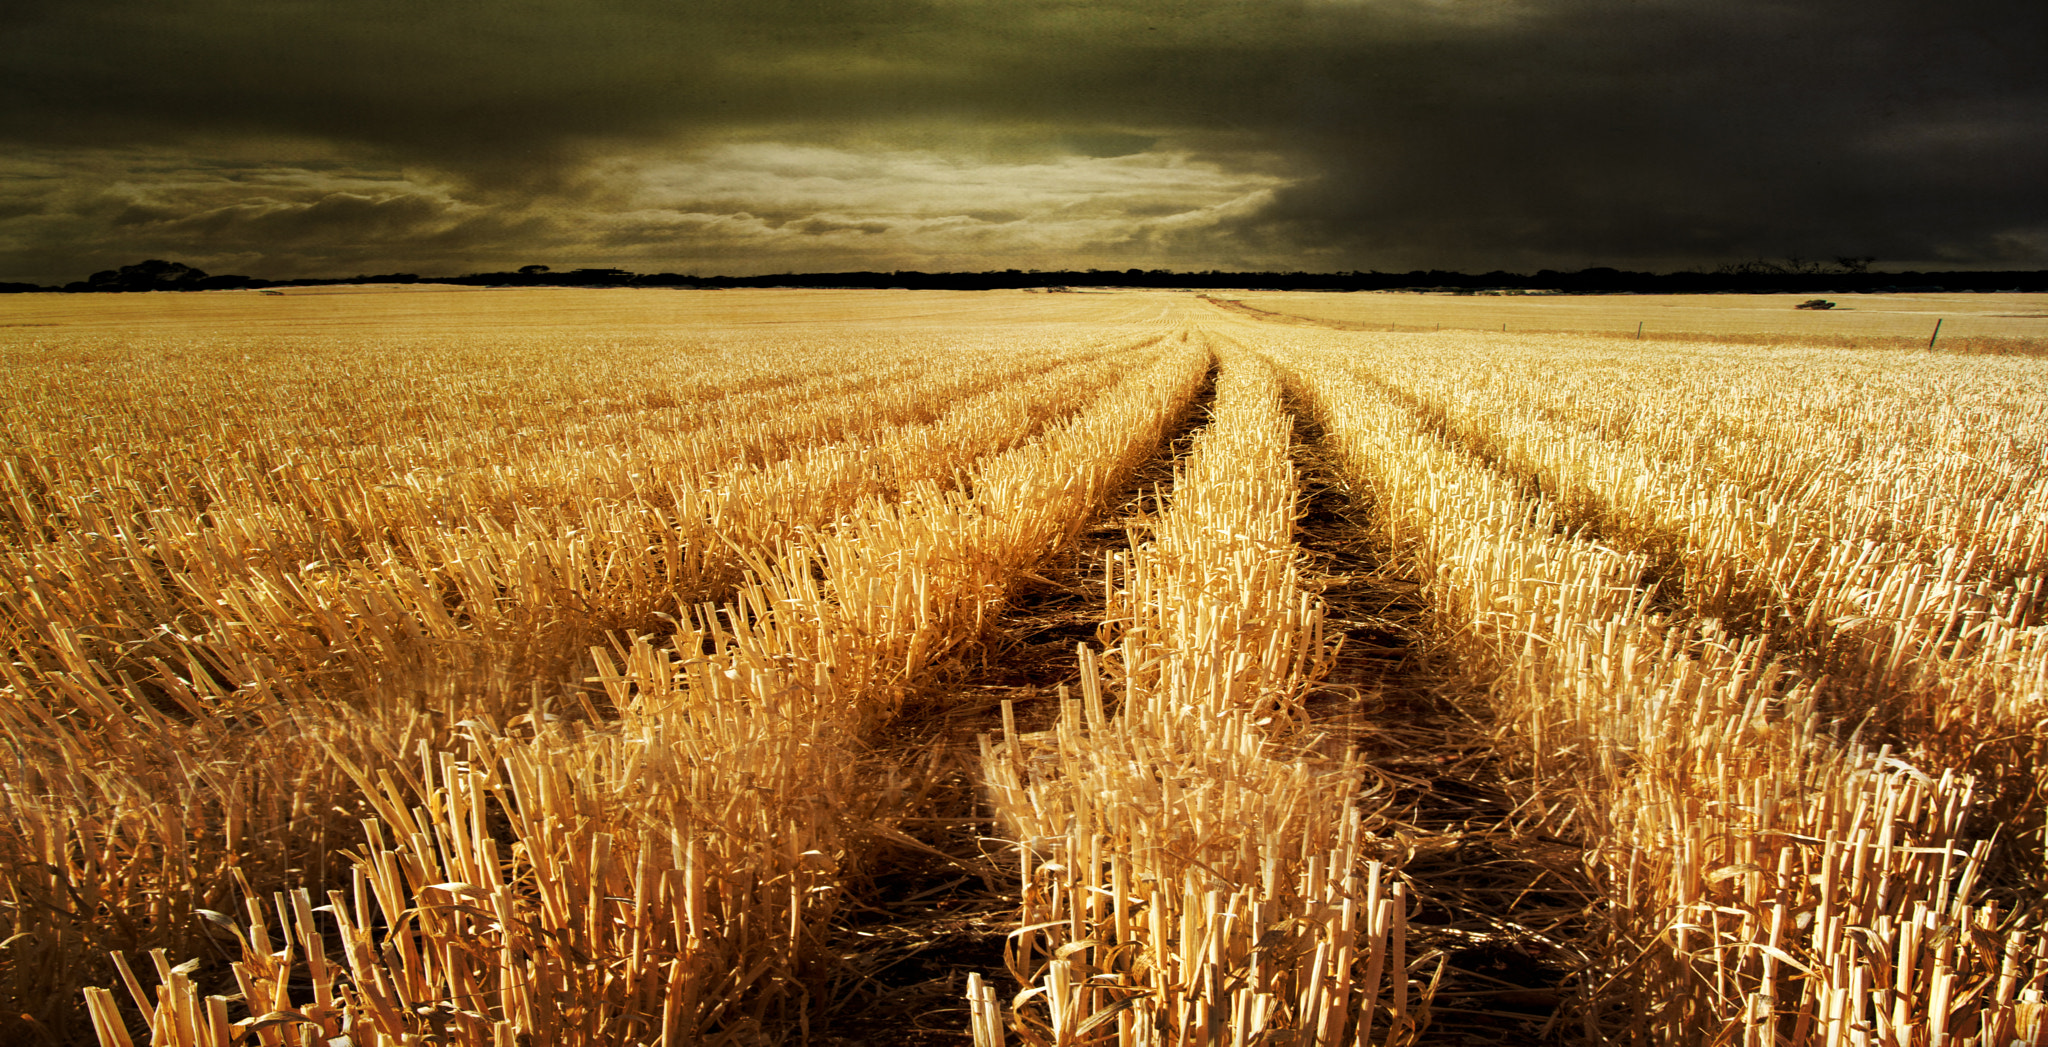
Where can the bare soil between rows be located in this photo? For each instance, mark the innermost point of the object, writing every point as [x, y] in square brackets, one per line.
[1496, 901]
[939, 902]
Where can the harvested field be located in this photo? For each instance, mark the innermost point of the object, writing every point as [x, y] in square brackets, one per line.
[1970, 322]
[631, 667]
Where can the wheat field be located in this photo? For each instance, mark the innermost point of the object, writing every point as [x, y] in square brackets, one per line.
[506, 667]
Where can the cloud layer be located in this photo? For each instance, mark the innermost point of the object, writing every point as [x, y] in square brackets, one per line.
[301, 138]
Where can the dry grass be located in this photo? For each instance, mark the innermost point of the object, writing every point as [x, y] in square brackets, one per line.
[669, 878]
[1883, 532]
[1971, 323]
[1735, 835]
[224, 652]
[1196, 867]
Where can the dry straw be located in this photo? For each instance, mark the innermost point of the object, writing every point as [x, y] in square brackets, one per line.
[1192, 868]
[1767, 882]
[669, 877]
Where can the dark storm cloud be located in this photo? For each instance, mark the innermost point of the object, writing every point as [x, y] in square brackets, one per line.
[1320, 133]
[336, 216]
[1677, 134]
[821, 226]
[499, 89]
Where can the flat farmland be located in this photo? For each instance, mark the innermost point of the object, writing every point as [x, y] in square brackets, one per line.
[1890, 320]
[489, 666]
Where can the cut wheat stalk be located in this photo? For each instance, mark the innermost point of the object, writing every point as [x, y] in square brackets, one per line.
[1614, 695]
[1192, 868]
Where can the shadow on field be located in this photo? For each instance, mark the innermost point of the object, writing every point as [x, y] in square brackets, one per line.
[1497, 903]
[941, 899]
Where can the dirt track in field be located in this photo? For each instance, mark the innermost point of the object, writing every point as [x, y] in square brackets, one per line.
[943, 900]
[1495, 900]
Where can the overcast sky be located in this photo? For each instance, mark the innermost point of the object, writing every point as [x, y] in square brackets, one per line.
[283, 138]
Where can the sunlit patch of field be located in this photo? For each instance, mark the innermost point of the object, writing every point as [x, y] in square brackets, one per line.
[400, 310]
[1888, 320]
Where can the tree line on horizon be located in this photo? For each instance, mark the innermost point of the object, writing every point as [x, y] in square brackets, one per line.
[1843, 276]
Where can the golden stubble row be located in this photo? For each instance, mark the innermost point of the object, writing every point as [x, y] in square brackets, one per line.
[668, 877]
[1888, 530]
[1767, 883]
[1194, 867]
[1901, 455]
[178, 583]
[182, 678]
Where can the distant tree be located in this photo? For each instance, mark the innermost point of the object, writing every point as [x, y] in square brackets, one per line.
[152, 275]
[1796, 266]
[532, 270]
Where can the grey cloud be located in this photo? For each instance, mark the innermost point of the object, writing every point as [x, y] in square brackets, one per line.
[1700, 134]
[1407, 132]
[821, 226]
[18, 206]
[337, 214]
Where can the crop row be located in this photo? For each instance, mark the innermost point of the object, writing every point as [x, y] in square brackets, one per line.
[1900, 567]
[1768, 879]
[138, 801]
[1193, 868]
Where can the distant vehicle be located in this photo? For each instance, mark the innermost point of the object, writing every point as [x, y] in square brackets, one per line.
[1815, 303]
